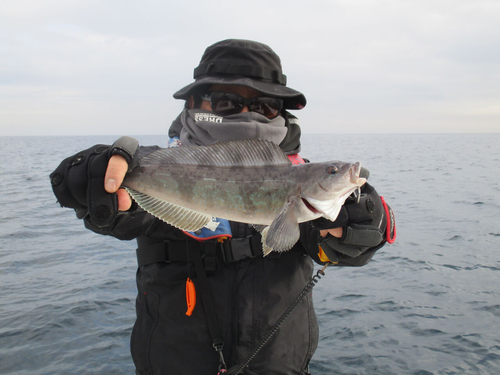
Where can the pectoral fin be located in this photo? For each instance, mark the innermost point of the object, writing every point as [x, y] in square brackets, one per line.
[259, 228]
[283, 232]
[180, 217]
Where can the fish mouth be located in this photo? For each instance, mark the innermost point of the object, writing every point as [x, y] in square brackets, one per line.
[309, 206]
[330, 208]
[354, 172]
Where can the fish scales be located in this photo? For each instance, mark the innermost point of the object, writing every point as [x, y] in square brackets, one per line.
[242, 194]
[246, 181]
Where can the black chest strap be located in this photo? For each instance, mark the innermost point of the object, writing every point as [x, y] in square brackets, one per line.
[152, 251]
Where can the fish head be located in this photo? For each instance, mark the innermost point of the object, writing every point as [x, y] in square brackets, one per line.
[329, 184]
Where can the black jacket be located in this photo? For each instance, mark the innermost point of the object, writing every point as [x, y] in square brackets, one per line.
[249, 295]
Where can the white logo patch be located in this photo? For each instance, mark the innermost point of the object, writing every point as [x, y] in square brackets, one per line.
[213, 224]
[210, 117]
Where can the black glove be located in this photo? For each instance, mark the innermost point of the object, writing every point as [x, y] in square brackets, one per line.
[78, 182]
[362, 219]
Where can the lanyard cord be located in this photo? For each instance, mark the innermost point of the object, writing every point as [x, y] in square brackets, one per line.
[207, 300]
[307, 289]
[391, 223]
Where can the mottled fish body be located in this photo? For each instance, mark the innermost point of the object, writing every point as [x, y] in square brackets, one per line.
[248, 181]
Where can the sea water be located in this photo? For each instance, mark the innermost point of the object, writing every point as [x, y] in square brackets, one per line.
[427, 304]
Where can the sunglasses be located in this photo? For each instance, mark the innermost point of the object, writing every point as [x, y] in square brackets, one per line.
[228, 103]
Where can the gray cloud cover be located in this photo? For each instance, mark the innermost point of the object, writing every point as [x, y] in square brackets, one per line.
[111, 67]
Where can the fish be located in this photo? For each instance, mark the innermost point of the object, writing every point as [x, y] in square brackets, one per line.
[247, 181]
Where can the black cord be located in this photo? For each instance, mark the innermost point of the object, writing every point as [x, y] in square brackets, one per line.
[307, 289]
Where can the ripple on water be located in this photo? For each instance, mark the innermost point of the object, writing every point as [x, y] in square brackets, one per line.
[426, 305]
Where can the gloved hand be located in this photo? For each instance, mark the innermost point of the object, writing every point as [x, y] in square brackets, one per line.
[79, 181]
[362, 219]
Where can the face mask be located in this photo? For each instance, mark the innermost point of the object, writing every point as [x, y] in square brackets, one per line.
[201, 127]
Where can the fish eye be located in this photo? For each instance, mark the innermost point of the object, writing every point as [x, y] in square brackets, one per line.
[332, 169]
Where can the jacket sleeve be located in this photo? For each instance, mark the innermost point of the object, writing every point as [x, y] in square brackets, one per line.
[132, 224]
[347, 255]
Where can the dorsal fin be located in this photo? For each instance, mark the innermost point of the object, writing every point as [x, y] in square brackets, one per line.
[228, 154]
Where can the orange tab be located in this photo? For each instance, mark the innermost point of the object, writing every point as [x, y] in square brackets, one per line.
[190, 296]
[322, 256]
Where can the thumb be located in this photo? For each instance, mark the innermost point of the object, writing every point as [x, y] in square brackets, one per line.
[115, 173]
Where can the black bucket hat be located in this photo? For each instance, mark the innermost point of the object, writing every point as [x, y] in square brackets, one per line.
[245, 63]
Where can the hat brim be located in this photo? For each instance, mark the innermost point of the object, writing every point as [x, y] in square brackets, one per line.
[292, 99]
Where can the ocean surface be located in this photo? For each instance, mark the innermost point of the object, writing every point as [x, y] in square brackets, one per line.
[428, 304]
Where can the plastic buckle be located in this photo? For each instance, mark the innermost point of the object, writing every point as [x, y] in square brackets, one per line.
[227, 251]
[239, 249]
[209, 256]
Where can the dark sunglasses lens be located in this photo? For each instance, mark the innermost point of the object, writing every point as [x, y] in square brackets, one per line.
[269, 107]
[226, 103]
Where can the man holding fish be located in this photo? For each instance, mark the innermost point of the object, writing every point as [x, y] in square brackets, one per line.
[228, 221]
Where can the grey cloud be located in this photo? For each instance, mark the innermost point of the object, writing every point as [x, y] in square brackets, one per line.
[93, 67]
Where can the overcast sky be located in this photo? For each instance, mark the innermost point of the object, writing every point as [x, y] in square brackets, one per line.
[73, 67]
